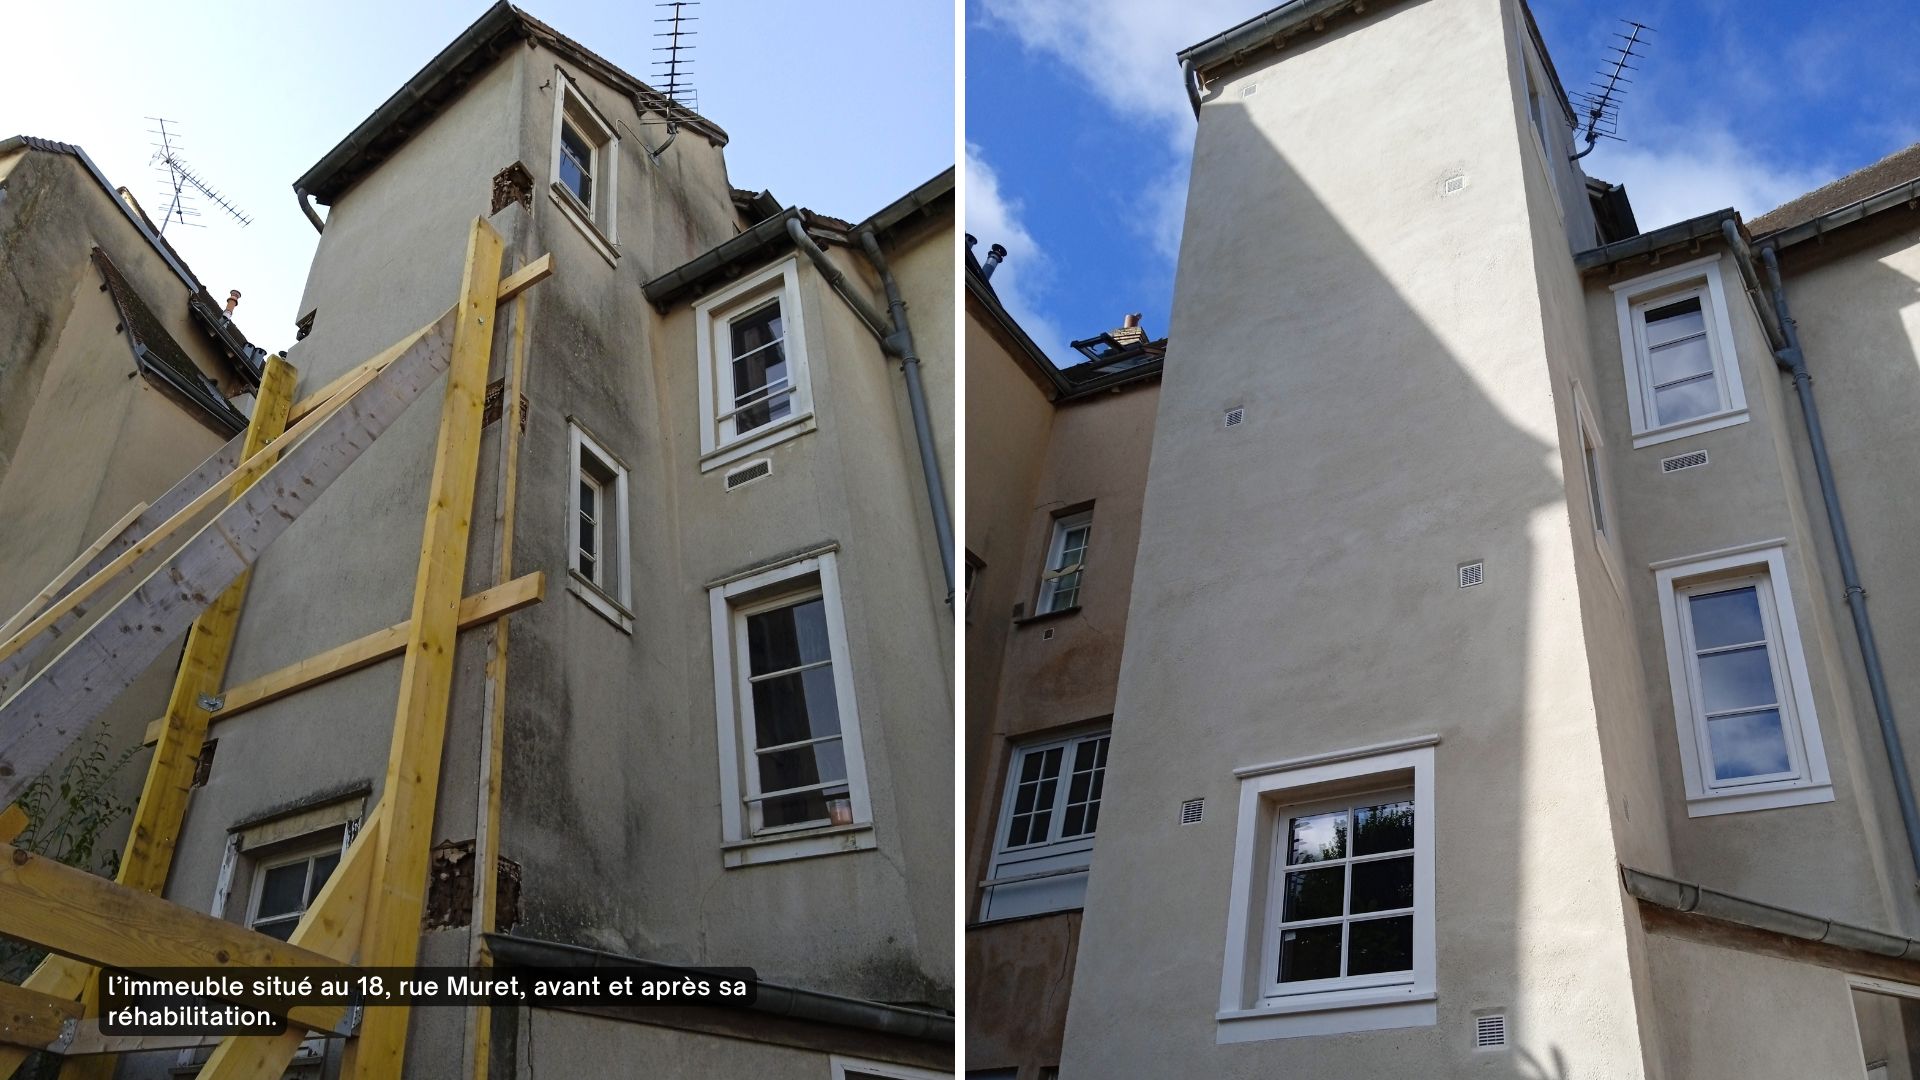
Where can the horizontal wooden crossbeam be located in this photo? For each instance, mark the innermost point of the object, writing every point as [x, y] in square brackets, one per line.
[480, 608]
[32, 1019]
[89, 918]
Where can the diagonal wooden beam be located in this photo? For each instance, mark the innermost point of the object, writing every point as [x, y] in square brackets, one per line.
[476, 610]
[13, 822]
[52, 709]
[33, 1020]
[105, 924]
[58, 586]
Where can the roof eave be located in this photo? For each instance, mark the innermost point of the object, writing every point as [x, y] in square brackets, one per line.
[1901, 195]
[1690, 232]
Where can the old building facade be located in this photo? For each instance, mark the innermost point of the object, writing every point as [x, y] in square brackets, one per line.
[1491, 701]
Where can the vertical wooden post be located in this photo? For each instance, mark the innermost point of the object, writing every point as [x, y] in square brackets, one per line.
[392, 934]
[486, 842]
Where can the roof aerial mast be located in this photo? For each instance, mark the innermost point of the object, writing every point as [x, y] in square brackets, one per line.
[673, 73]
[180, 184]
[1601, 104]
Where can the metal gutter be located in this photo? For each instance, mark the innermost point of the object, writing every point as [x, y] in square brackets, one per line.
[1691, 899]
[978, 288]
[1237, 41]
[906, 207]
[1704, 227]
[772, 999]
[1907, 194]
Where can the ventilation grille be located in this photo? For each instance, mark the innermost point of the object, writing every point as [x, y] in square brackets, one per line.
[1192, 811]
[1236, 417]
[1489, 1032]
[1683, 461]
[749, 472]
[1453, 185]
[1471, 574]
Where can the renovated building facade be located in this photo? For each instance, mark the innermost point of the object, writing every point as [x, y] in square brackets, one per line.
[727, 724]
[1057, 465]
[1496, 696]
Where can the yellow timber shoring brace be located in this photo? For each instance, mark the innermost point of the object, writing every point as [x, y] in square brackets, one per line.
[369, 911]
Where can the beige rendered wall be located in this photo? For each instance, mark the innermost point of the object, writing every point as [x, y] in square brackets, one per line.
[1295, 592]
[1727, 1014]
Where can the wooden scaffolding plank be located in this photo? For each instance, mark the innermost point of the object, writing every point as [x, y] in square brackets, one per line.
[33, 1020]
[13, 822]
[73, 572]
[53, 708]
[106, 924]
[480, 608]
[57, 976]
[392, 937]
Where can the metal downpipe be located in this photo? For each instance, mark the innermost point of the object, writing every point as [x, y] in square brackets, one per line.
[917, 401]
[306, 208]
[1192, 79]
[1794, 361]
[876, 323]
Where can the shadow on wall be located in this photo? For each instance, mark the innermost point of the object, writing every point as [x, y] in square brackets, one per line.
[1297, 592]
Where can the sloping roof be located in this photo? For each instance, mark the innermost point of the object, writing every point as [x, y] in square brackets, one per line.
[1891, 171]
[248, 360]
[447, 76]
[161, 358]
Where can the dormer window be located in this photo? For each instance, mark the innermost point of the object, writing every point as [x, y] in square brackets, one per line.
[585, 167]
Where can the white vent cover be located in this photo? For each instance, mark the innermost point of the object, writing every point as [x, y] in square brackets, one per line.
[1683, 461]
[1192, 811]
[1489, 1032]
[751, 471]
[1471, 574]
[1236, 417]
[1453, 185]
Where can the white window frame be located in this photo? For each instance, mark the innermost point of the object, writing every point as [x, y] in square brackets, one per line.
[305, 851]
[1066, 861]
[598, 220]
[841, 1065]
[1596, 481]
[610, 590]
[1632, 299]
[730, 602]
[1765, 565]
[1248, 1010]
[1043, 602]
[719, 443]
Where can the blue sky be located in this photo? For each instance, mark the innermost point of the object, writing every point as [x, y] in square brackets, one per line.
[1078, 132]
[840, 105]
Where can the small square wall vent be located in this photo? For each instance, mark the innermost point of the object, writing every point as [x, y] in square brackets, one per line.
[748, 473]
[1489, 1032]
[1236, 417]
[1192, 811]
[1683, 461]
[1453, 185]
[1471, 574]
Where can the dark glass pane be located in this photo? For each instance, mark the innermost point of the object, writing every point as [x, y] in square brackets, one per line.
[1750, 744]
[282, 890]
[780, 711]
[1381, 945]
[1740, 679]
[1383, 885]
[1079, 787]
[575, 159]
[587, 567]
[1317, 838]
[1726, 618]
[759, 364]
[322, 870]
[589, 540]
[1676, 320]
[1093, 819]
[802, 766]
[1075, 820]
[589, 504]
[1383, 828]
[281, 930]
[794, 809]
[1684, 401]
[1314, 894]
[787, 637]
[1311, 952]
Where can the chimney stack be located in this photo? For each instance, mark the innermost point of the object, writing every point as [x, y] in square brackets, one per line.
[1129, 333]
[995, 255]
[233, 301]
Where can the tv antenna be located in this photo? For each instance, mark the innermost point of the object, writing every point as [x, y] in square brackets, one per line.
[1601, 103]
[673, 73]
[180, 186]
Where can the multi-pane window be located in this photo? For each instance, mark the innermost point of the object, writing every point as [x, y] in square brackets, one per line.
[757, 361]
[1045, 840]
[1677, 347]
[586, 163]
[599, 545]
[1066, 561]
[799, 769]
[1748, 738]
[1346, 894]
[283, 889]
[576, 163]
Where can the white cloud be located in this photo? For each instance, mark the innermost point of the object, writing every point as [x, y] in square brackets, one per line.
[1683, 173]
[1022, 280]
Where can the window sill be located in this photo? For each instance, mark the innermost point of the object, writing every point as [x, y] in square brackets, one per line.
[609, 608]
[757, 440]
[830, 840]
[1330, 1013]
[571, 210]
[1772, 798]
[1696, 426]
[1047, 616]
